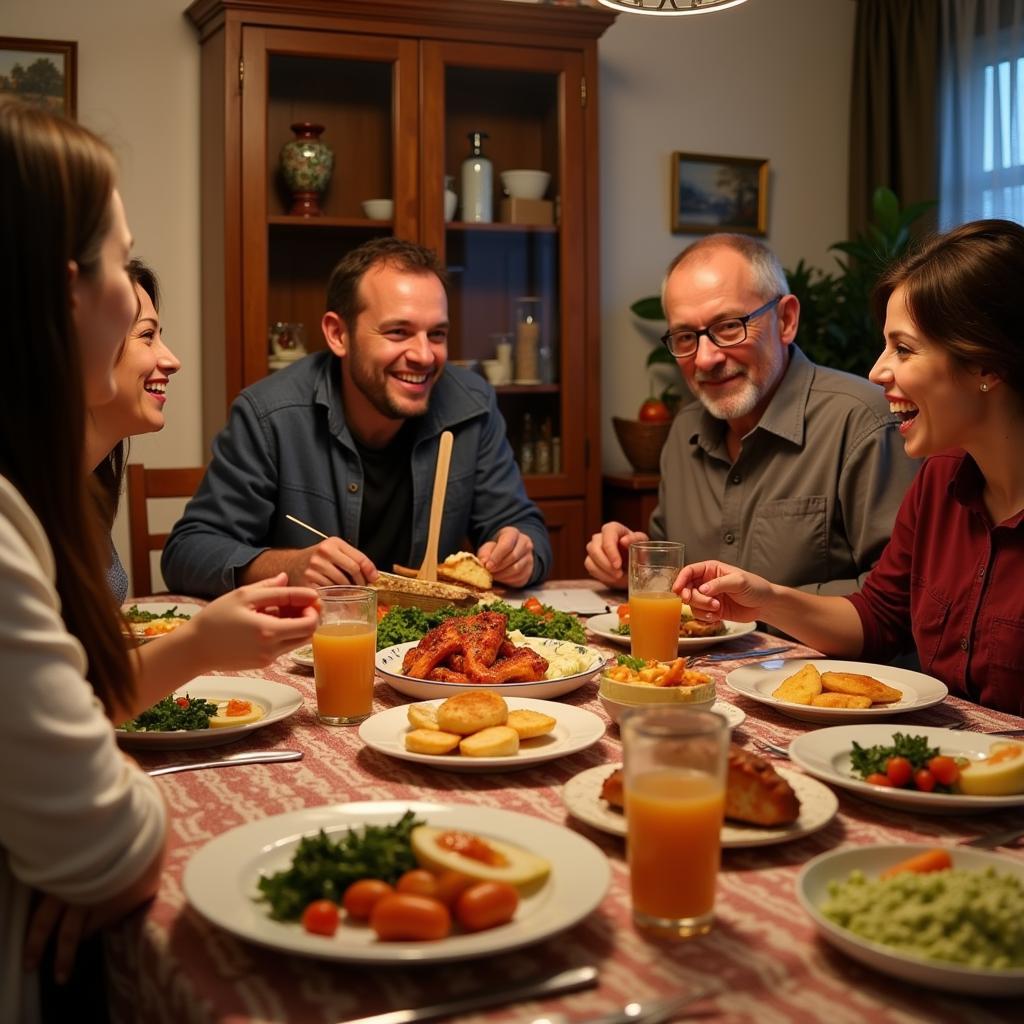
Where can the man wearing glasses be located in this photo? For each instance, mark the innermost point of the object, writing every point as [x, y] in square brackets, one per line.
[790, 470]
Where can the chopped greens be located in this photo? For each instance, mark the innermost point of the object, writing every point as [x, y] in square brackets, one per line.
[173, 714]
[322, 868]
[621, 630]
[136, 614]
[868, 760]
[401, 625]
[630, 662]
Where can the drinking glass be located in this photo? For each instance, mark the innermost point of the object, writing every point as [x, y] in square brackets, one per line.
[344, 645]
[675, 772]
[654, 609]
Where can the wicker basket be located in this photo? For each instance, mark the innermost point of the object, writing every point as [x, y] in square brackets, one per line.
[642, 442]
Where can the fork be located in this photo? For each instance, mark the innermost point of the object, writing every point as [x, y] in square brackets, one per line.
[965, 727]
[991, 840]
[772, 748]
[734, 655]
[656, 1011]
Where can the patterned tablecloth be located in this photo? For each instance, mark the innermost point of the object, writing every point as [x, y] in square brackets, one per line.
[763, 959]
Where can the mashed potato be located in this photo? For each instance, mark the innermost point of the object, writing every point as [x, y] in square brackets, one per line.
[564, 657]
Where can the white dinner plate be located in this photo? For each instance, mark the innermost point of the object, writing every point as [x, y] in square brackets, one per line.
[302, 656]
[812, 891]
[277, 700]
[818, 805]
[158, 608]
[389, 667]
[825, 754]
[576, 730]
[220, 881]
[603, 626]
[757, 682]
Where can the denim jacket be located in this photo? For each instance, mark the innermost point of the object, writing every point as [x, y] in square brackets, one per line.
[287, 450]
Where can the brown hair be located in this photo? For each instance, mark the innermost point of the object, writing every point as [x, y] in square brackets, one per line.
[963, 293]
[343, 286]
[109, 474]
[56, 182]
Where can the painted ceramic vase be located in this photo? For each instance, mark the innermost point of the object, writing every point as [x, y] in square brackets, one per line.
[306, 164]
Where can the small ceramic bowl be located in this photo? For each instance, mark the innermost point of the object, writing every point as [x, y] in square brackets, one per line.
[379, 209]
[525, 184]
[615, 708]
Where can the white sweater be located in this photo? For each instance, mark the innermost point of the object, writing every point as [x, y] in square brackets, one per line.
[77, 819]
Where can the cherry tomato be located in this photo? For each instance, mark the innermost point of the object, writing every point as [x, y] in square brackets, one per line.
[654, 411]
[450, 885]
[899, 770]
[405, 917]
[182, 702]
[924, 780]
[486, 905]
[321, 917]
[623, 613]
[382, 610]
[878, 779]
[532, 604]
[418, 881]
[362, 896]
[945, 769]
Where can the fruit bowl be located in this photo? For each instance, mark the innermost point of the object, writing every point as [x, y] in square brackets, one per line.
[641, 442]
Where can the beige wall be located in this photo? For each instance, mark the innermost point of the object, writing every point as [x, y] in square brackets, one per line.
[769, 79]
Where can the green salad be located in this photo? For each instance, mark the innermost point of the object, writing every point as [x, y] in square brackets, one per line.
[323, 868]
[173, 714]
[401, 625]
[135, 614]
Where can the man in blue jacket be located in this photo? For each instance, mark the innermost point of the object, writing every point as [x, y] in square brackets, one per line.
[347, 439]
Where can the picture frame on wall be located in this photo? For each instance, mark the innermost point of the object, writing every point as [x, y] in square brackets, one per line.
[719, 193]
[43, 72]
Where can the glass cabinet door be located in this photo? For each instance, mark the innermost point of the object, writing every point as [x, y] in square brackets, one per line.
[503, 205]
[330, 145]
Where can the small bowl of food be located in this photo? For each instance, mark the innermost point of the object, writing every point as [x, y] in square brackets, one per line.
[627, 685]
[379, 209]
[525, 184]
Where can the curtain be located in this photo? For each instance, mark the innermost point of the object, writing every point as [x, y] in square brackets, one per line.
[893, 112]
[981, 111]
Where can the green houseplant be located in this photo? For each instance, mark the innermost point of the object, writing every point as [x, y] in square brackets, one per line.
[836, 325]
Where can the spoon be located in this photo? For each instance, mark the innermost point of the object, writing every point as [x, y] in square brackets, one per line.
[428, 569]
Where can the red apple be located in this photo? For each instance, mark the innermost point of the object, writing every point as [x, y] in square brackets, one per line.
[654, 410]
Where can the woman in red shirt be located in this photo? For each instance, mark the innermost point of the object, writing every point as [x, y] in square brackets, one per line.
[950, 583]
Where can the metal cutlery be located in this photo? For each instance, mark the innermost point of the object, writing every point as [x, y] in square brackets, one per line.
[965, 727]
[655, 1011]
[991, 840]
[734, 655]
[249, 757]
[565, 981]
[772, 748]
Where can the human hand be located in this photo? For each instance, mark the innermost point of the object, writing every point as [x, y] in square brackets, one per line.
[54, 917]
[714, 591]
[509, 557]
[608, 554]
[251, 626]
[332, 562]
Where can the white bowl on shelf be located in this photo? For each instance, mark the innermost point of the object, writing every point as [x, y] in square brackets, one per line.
[379, 209]
[525, 184]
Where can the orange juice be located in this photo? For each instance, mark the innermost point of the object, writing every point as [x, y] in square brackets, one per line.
[674, 819]
[343, 666]
[654, 625]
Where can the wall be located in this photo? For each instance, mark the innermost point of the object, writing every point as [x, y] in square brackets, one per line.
[768, 79]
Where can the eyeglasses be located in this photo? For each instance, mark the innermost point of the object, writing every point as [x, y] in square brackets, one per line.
[683, 343]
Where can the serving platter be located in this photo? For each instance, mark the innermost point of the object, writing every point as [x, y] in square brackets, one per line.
[604, 627]
[220, 881]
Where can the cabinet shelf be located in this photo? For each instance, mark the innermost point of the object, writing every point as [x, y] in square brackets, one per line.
[284, 220]
[497, 226]
[527, 389]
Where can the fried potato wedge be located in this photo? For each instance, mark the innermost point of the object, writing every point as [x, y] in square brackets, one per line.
[801, 687]
[840, 700]
[529, 724]
[861, 686]
[422, 716]
[497, 741]
[431, 741]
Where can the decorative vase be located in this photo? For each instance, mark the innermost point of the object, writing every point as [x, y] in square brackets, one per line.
[306, 164]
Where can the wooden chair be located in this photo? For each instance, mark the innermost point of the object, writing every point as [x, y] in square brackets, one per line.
[144, 484]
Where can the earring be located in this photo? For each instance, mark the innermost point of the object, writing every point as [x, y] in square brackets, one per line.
[984, 387]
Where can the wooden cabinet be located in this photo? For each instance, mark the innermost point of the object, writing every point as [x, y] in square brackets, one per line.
[631, 498]
[398, 85]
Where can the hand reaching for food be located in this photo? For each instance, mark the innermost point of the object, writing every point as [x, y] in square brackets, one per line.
[715, 590]
[608, 554]
[509, 557]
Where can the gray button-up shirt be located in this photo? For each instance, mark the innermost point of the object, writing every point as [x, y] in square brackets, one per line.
[287, 450]
[811, 498]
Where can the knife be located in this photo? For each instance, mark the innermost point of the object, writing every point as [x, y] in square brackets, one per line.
[565, 981]
[249, 757]
[736, 655]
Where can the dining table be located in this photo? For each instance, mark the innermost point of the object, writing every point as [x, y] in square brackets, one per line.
[763, 961]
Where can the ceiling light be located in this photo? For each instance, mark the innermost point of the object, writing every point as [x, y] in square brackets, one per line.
[670, 7]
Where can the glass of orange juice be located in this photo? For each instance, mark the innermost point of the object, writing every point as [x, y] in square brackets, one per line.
[344, 646]
[654, 609]
[675, 771]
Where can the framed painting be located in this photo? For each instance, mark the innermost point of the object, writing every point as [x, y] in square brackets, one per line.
[40, 71]
[719, 193]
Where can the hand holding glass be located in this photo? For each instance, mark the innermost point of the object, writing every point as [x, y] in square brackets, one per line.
[653, 608]
[675, 771]
[344, 645]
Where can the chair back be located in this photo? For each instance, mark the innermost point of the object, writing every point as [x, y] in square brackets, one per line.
[144, 484]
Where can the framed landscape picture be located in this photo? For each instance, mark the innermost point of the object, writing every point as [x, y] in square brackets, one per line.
[719, 193]
[39, 71]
